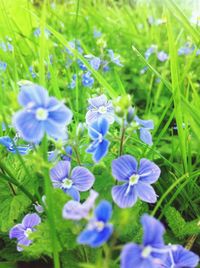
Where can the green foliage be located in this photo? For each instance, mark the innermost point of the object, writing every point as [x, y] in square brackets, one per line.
[179, 226]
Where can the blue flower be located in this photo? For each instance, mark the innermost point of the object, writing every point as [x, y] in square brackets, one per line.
[99, 147]
[98, 230]
[186, 49]
[73, 82]
[12, 147]
[68, 151]
[152, 49]
[95, 62]
[23, 230]
[145, 126]
[148, 254]
[87, 79]
[79, 180]
[40, 114]
[97, 33]
[181, 258]
[144, 69]
[114, 58]
[31, 70]
[76, 211]
[81, 65]
[3, 66]
[37, 32]
[100, 107]
[137, 181]
[162, 56]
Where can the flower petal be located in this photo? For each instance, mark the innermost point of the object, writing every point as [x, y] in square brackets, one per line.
[145, 136]
[153, 231]
[101, 150]
[17, 232]
[123, 167]
[145, 192]
[121, 198]
[148, 171]
[145, 123]
[55, 130]
[33, 94]
[183, 258]
[60, 171]
[97, 102]
[28, 126]
[82, 178]
[73, 210]
[91, 116]
[131, 257]
[86, 236]
[31, 220]
[103, 211]
[102, 237]
[58, 112]
[73, 193]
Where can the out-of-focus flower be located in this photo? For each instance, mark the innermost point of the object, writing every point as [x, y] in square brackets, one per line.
[162, 56]
[41, 114]
[99, 107]
[97, 33]
[98, 230]
[87, 79]
[37, 32]
[195, 19]
[186, 49]
[22, 231]
[114, 58]
[136, 181]
[76, 211]
[73, 82]
[97, 132]
[3, 66]
[79, 180]
[152, 49]
[31, 70]
[13, 148]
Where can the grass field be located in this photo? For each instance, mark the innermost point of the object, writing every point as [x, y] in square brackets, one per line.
[141, 59]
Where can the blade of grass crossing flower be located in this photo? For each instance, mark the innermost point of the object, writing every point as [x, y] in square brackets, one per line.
[176, 89]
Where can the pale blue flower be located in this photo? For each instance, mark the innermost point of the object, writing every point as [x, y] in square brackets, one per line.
[40, 114]
[99, 107]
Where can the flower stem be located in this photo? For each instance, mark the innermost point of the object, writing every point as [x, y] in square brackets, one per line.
[122, 139]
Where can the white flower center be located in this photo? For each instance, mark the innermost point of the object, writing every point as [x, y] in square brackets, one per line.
[134, 179]
[96, 225]
[146, 251]
[28, 232]
[41, 114]
[102, 109]
[66, 183]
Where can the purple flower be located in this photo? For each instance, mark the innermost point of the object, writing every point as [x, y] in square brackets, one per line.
[98, 230]
[41, 114]
[79, 179]
[147, 255]
[137, 181]
[76, 211]
[23, 230]
[162, 56]
[12, 147]
[87, 79]
[100, 107]
[145, 126]
[99, 146]
[181, 258]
